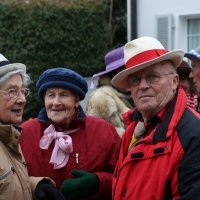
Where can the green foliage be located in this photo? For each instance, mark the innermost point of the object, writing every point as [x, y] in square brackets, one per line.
[43, 35]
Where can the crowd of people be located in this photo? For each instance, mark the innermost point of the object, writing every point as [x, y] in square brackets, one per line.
[138, 139]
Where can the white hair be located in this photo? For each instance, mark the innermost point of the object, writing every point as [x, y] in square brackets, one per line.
[25, 77]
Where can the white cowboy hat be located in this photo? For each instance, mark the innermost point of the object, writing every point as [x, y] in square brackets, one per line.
[141, 53]
[6, 66]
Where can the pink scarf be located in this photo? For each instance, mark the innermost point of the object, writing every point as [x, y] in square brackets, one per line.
[62, 148]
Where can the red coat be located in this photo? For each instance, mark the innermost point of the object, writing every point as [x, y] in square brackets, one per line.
[96, 143]
[166, 163]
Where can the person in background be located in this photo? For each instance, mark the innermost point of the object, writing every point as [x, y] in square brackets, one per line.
[159, 155]
[194, 57]
[77, 151]
[14, 180]
[108, 102]
[187, 84]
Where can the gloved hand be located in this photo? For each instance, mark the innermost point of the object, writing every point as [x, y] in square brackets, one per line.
[84, 185]
[45, 190]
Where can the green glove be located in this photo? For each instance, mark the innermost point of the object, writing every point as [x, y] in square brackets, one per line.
[84, 185]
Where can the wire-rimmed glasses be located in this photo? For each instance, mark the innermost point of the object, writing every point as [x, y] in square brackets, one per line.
[14, 93]
[153, 77]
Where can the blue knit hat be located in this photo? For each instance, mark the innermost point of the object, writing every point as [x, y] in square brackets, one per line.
[62, 77]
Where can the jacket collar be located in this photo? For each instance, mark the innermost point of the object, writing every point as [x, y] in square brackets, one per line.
[10, 138]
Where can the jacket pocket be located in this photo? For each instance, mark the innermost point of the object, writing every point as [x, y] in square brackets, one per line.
[6, 180]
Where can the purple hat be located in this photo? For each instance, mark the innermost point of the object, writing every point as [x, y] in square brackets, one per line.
[113, 60]
[193, 54]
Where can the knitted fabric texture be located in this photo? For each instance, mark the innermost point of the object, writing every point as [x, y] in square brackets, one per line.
[64, 78]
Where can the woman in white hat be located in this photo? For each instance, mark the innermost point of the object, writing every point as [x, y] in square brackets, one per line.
[14, 180]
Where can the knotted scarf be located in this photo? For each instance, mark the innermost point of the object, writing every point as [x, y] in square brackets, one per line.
[62, 148]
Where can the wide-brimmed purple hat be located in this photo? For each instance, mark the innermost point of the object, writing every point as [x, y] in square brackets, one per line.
[193, 54]
[113, 60]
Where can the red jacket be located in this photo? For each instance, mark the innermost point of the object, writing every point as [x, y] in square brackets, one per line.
[96, 143]
[166, 163]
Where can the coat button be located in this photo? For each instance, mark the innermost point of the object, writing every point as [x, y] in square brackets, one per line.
[115, 174]
[124, 191]
[17, 137]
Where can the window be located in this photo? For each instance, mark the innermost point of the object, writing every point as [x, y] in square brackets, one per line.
[193, 33]
[164, 30]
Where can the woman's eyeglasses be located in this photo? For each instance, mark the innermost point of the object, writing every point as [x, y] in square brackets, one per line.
[14, 93]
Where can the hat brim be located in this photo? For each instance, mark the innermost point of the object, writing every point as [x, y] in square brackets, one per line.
[190, 56]
[112, 66]
[12, 67]
[120, 80]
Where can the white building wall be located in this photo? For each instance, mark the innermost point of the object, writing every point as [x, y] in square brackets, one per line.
[180, 10]
[83, 103]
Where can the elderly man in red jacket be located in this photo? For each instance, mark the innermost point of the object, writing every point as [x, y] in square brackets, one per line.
[159, 156]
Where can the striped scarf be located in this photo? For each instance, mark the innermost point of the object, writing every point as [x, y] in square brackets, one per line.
[192, 101]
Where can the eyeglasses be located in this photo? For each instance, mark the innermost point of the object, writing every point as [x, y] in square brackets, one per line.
[14, 93]
[153, 77]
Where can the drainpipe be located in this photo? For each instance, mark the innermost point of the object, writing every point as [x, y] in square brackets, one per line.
[131, 19]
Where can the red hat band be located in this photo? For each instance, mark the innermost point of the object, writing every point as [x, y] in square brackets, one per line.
[145, 56]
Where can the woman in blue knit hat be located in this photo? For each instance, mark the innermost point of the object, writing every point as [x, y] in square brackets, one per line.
[77, 151]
